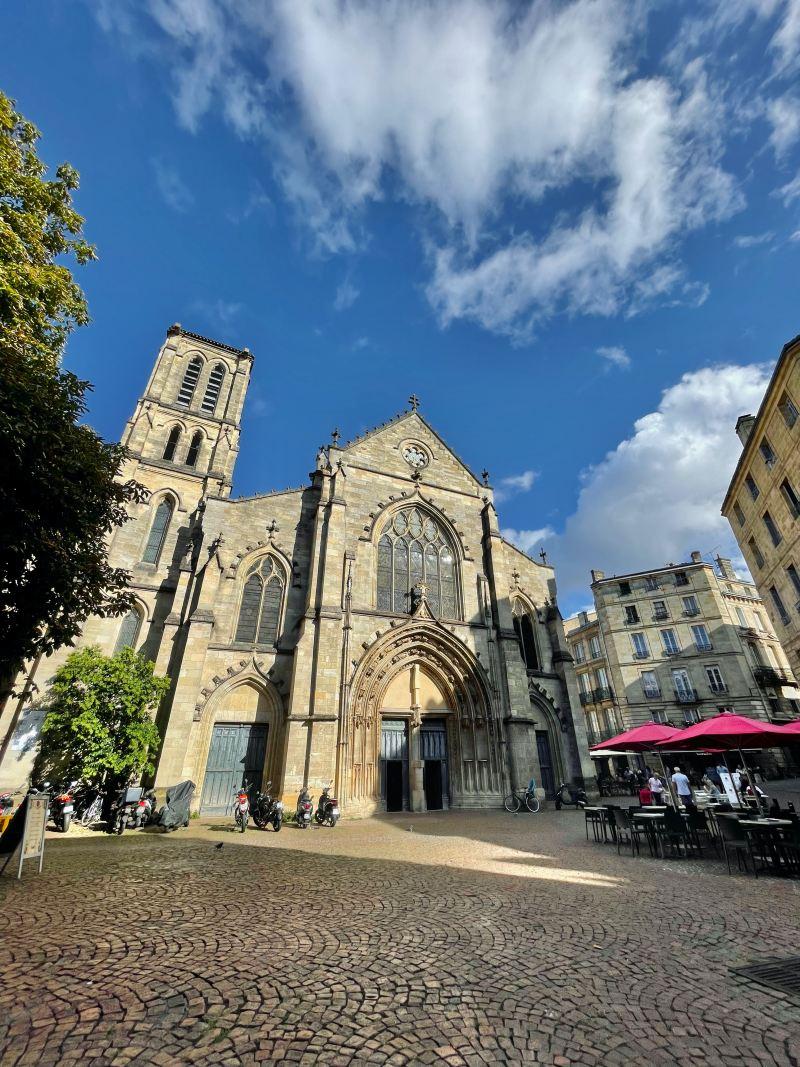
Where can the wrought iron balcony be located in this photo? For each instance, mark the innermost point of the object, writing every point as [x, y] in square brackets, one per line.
[641, 655]
[651, 694]
[605, 692]
[769, 677]
[721, 688]
[596, 737]
[586, 698]
[660, 616]
[686, 696]
[689, 612]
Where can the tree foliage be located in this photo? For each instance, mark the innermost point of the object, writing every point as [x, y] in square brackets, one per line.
[100, 724]
[60, 496]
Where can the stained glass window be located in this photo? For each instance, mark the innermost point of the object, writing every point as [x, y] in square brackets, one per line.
[259, 614]
[413, 549]
[129, 630]
[526, 636]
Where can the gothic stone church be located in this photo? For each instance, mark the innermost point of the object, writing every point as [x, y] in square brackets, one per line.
[372, 628]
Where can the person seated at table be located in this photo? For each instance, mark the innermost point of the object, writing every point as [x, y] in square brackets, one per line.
[711, 788]
[645, 796]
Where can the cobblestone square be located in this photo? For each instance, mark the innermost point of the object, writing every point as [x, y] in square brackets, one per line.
[459, 938]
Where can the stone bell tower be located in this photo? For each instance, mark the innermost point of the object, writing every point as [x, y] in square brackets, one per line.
[185, 429]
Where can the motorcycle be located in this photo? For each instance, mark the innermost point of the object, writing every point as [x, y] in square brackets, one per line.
[327, 809]
[266, 810]
[144, 813]
[304, 809]
[177, 809]
[123, 809]
[6, 803]
[568, 796]
[241, 806]
[62, 808]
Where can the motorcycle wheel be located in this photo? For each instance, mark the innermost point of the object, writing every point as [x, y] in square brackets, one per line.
[243, 826]
[259, 822]
[558, 803]
[65, 823]
[320, 818]
[334, 820]
[120, 825]
[277, 823]
[512, 803]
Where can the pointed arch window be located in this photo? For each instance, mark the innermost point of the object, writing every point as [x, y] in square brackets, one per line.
[194, 449]
[189, 383]
[129, 631]
[414, 548]
[158, 531]
[260, 611]
[172, 443]
[526, 635]
[211, 396]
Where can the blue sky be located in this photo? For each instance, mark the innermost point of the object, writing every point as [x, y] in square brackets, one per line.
[573, 229]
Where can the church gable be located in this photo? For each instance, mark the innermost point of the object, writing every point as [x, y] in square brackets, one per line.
[408, 446]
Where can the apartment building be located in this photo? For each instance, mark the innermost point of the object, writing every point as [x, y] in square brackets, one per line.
[596, 693]
[763, 500]
[677, 644]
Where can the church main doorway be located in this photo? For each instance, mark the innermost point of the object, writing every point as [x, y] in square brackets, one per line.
[394, 764]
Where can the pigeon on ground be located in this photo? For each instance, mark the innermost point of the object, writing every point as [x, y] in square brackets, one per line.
[219, 845]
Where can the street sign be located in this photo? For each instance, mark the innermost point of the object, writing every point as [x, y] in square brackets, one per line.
[26, 831]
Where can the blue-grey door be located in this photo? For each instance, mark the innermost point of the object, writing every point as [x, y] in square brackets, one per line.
[545, 763]
[236, 756]
[394, 764]
[433, 753]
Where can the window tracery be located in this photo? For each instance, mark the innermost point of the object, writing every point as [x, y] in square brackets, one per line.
[189, 383]
[158, 531]
[413, 548]
[260, 610]
[526, 635]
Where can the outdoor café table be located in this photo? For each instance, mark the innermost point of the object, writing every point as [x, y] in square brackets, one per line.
[651, 820]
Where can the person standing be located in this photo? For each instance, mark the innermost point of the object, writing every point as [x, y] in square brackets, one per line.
[656, 789]
[682, 787]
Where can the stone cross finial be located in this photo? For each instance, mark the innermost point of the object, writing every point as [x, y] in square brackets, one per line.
[515, 576]
[485, 476]
[335, 436]
[272, 529]
[543, 555]
[414, 401]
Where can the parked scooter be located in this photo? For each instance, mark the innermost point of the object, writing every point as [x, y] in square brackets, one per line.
[304, 809]
[327, 809]
[123, 810]
[241, 806]
[144, 813]
[62, 808]
[6, 803]
[567, 796]
[176, 811]
[267, 811]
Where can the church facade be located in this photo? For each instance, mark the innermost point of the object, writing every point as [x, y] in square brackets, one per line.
[370, 629]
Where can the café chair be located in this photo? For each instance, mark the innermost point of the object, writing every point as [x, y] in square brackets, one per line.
[734, 839]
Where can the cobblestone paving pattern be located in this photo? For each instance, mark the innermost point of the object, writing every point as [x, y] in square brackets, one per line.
[474, 939]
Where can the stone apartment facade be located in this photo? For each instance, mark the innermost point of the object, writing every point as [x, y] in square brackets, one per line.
[677, 644]
[371, 628]
[763, 500]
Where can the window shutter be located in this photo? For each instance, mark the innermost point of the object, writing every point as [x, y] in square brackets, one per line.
[158, 532]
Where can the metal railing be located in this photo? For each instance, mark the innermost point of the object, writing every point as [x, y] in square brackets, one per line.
[768, 676]
[686, 696]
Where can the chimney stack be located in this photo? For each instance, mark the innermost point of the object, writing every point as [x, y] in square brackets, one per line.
[598, 576]
[697, 557]
[744, 427]
[725, 568]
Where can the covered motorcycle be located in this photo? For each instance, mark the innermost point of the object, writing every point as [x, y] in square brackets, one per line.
[175, 812]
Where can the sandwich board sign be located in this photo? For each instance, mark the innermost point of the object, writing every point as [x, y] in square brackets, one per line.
[26, 831]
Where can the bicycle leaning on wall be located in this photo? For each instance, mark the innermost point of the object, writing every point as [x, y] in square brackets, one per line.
[520, 798]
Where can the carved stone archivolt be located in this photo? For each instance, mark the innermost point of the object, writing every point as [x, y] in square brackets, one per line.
[248, 669]
[539, 694]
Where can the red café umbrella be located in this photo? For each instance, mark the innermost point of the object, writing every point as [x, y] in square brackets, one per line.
[792, 728]
[729, 732]
[639, 739]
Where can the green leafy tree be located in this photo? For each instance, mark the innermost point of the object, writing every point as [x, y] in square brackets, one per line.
[99, 726]
[60, 492]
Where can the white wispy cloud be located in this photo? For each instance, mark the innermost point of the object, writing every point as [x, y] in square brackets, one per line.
[528, 540]
[615, 356]
[174, 191]
[513, 484]
[657, 495]
[753, 240]
[360, 101]
[783, 115]
[789, 192]
[346, 295]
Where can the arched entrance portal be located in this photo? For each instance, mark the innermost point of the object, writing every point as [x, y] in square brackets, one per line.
[414, 697]
[422, 732]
